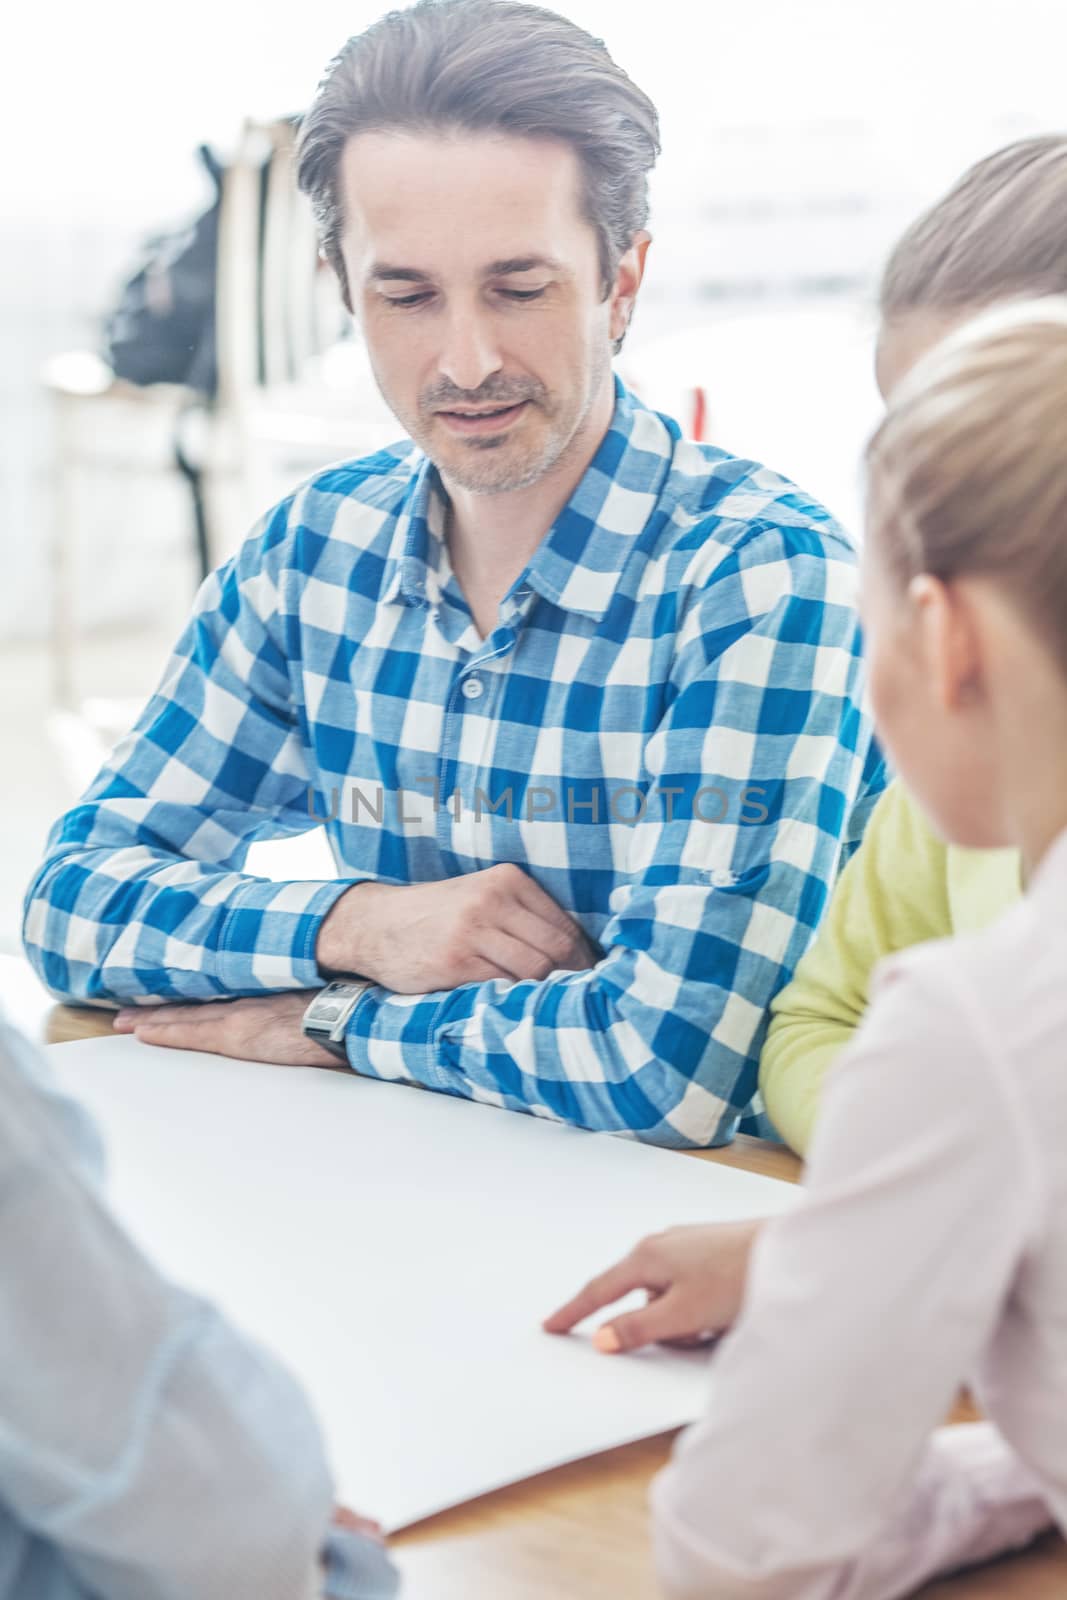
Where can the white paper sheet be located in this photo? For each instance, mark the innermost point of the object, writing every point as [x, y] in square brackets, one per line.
[398, 1249]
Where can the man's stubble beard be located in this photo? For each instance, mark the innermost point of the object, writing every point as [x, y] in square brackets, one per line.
[475, 470]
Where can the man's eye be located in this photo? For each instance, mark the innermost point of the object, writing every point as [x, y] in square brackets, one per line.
[405, 299]
[524, 294]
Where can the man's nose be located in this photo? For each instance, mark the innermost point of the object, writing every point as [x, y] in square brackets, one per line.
[470, 354]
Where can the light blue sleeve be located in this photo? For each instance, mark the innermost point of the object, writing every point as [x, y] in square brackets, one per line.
[142, 892]
[358, 1568]
[156, 1453]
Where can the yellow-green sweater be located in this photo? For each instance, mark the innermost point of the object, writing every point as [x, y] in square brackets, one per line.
[902, 887]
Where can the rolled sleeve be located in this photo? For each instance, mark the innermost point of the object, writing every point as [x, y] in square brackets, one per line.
[358, 1568]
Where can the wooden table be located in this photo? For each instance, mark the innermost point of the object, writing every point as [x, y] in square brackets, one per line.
[579, 1532]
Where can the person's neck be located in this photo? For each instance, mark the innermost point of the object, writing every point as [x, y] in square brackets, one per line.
[1034, 774]
[492, 537]
[1040, 819]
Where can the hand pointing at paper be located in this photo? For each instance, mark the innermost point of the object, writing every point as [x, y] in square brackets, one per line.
[695, 1279]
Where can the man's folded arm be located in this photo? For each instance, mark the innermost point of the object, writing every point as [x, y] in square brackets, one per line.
[141, 893]
[753, 773]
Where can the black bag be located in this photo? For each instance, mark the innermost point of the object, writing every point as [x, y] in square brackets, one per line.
[163, 328]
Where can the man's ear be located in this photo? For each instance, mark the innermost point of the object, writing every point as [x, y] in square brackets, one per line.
[950, 639]
[628, 275]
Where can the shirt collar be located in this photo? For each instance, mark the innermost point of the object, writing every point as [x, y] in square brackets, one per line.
[418, 541]
[578, 563]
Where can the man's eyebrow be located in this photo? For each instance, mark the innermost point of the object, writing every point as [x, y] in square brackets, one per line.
[382, 271]
[500, 269]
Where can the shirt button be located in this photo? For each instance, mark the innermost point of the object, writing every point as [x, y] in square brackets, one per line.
[722, 878]
[473, 688]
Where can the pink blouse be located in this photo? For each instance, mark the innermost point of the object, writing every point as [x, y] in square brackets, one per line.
[929, 1249]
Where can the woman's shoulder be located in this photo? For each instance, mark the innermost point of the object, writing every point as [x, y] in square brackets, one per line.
[995, 995]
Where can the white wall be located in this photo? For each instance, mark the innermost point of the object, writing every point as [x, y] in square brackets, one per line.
[775, 113]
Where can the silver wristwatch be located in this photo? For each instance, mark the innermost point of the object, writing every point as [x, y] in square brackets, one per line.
[326, 1018]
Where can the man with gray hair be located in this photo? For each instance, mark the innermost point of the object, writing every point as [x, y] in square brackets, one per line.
[579, 700]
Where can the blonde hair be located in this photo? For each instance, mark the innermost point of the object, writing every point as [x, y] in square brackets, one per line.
[1000, 231]
[967, 472]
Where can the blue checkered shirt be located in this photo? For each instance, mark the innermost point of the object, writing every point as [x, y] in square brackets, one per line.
[665, 729]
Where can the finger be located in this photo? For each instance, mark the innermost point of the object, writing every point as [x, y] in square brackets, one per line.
[598, 1292]
[421, 978]
[694, 1341]
[181, 1035]
[581, 952]
[517, 959]
[530, 894]
[667, 1319]
[128, 1017]
[563, 947]
[352, 1521]
[483, 971]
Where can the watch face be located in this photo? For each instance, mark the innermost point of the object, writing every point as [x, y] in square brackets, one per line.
[327, 1013]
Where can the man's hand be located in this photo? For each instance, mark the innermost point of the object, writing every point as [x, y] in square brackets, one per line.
[259, 1028]
[362, 1565]
[352, 1522]
[695, 1278]
[411, 939]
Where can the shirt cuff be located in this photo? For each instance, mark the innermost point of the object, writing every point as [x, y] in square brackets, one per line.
[267, 941]
[393, 1036]
[1009, 1507]
[357, 1568]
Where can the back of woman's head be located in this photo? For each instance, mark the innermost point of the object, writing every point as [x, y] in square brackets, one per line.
[968, 471]
[1000, 231]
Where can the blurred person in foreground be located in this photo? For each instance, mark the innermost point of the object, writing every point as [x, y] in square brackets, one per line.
[148, 1451]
